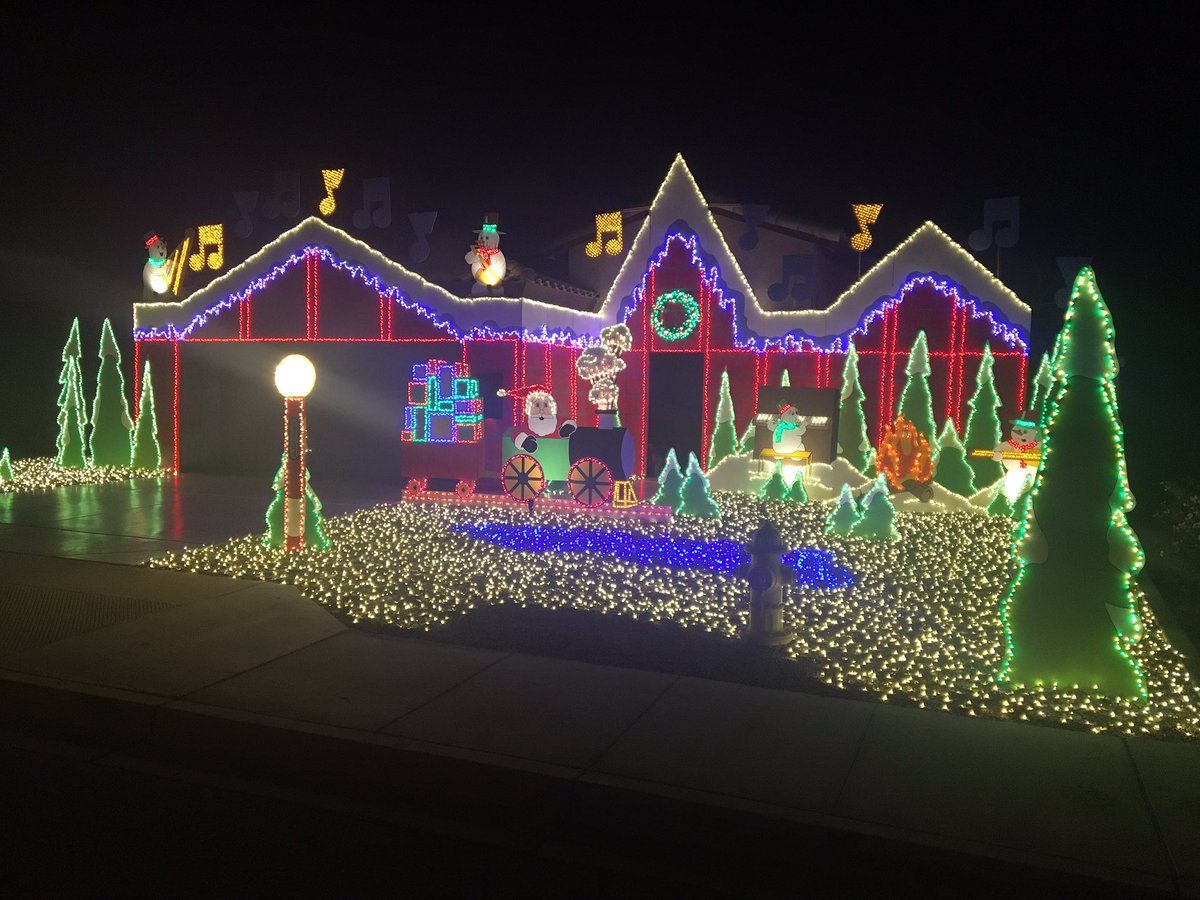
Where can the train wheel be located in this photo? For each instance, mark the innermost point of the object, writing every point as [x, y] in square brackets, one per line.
[465, 487]
[590, 482]
[415, 487]
[523, 478]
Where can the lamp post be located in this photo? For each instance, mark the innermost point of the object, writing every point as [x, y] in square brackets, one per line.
[294, 378]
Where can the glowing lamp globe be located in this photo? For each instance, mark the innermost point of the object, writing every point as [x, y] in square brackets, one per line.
[295, 376]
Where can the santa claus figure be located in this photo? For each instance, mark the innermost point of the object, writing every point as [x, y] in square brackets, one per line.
[157, 272]
[541, 418]
[1020, 455]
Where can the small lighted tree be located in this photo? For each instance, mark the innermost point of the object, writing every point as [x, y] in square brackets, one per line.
[6, 472]
[843, 517]
[1043, 381]
[904, 455]
[950, 469]
[915, 403]
[696, 499]
[314, 522]
[71, 419]
[774, 488]
[1070, 614]
[670, 483]
[724, 438]
[110, 440]
[853, 443]
[146, 452]
[878, 520]
[999, 505]
[797, 493]
[983, 424]
[746, 442]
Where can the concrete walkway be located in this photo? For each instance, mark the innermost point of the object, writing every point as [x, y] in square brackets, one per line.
[251, 679]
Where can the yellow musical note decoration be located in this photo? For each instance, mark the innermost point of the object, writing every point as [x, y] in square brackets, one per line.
[333, 180]
[607, 223]
[208, 236]
[866, 214]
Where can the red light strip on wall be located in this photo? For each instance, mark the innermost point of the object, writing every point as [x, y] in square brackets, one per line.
[175, 406]
[948, 408]
[705, 334]
[137, 376]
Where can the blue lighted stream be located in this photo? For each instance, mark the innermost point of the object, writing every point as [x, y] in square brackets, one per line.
[813, 567]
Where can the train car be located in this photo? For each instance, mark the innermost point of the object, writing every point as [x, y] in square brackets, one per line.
[593, 464]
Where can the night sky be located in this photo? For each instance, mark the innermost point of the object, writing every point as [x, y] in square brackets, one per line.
[113, 128]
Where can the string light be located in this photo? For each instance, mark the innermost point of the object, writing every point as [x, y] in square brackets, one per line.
[607, 223]
[42, 473]
[208, 236]
[333, 180]
[866, 214]
[691, 315]
[443, 405]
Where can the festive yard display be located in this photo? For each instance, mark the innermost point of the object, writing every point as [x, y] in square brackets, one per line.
[601, 364]
[670, 483]
[774, 488]
[853, 442]
[877, 522]
[6, 472]
[1071, 614]
[916, 405]
[797, 492]
[950, 468]
[314, 522]
[111, 426]
[904, 456]
[983, 425]
[72, 418]
[844, 515]
[443, 405]
[696, 500]
[724, 439]
[43, 473]
[146, 452]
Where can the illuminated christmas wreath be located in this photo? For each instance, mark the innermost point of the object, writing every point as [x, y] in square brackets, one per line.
[691, 315]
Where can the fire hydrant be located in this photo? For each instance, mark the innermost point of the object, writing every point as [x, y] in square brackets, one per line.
[765, 574]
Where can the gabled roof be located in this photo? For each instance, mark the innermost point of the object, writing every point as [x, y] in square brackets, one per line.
[464, 314]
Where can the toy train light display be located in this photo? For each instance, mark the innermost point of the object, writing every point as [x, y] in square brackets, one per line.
[592, 462]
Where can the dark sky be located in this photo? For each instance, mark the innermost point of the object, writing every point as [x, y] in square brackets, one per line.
[117, 126]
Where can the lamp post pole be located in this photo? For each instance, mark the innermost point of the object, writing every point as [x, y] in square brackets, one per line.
[294, 378]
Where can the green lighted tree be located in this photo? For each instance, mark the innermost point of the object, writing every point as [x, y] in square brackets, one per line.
[1070, 614]
[71, 420]
[951, 470]
[670, 483]
[746, 442]
[915, 403]
[999, 504]
[314, 522]
[696, 499]
[797, 493]
[724, 438]
[853, 443]
[774, 488]
[110, 439]
[146, 452]
[843, 517]
[878, 519]
[6, 472]
[1042, 382]
[871, 469]
[785, 380]
[983, 424]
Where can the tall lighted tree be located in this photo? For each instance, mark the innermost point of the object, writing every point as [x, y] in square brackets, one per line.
[110, 438]
[670, 483]
[853, 443]
[844, 515]
[915, 403]
[951, 470]
[1040, 393]
[696, 500]
[6, 472]
[1070, 613]
[71, 420]
[146, 452]
[72, 416]
[724, 438]
[983, 424]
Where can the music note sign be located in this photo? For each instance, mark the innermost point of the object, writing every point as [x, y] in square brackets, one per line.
[377, 204]
[754, 214]
[422, 224]
[210, 245]
[999, 210]
[607, 223]
[797, 272]
[866, 214]
[333, 180]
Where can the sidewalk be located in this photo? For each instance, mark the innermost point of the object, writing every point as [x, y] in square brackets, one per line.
[251, 680]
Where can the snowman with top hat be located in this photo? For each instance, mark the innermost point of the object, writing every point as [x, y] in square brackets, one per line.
[1020, 454]
[486, 259]
[158, 270]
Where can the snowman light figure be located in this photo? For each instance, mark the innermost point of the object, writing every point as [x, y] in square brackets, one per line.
[157, 272]
[789, 431]
[486, 259]
[1014, 455]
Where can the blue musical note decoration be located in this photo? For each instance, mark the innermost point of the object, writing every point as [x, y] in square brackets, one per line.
[377, 204]
[247, 202]
[1068, 267]
[999, 210]
[286, 199]
[422, 224]
[754, 214]
[797, 271]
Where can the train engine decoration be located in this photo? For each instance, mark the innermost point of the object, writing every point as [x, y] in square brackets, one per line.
[541, 417]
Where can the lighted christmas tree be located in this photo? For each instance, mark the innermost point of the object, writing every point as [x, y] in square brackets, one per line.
[871, 469]
[878, 519]
[1070, 613]
[983, 424]
[670, 483]
[999, 505]
[746, 442]
[314, 522]
[774, 488]
[110, 439]
[915, 403]
[951, 470]
[843, 517]
[785, 380]
[724, 438]
[6, 472]
[1043, 384]
[146, 452]
[696, 499]
[853, 443]
[797, 493]
[71, 419]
